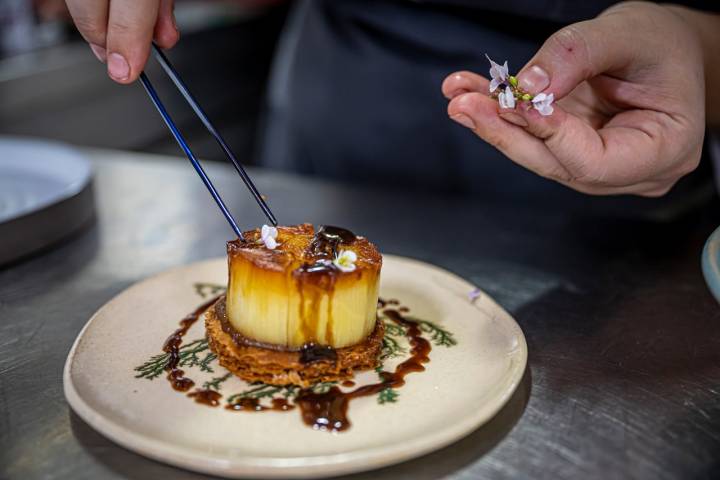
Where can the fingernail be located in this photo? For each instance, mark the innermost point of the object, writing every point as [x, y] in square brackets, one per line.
[514, 118]
[534, 79]
[118, 67]
[464, 120]
[99, 52]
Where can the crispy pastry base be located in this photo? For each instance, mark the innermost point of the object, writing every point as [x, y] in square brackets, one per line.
[278, 367]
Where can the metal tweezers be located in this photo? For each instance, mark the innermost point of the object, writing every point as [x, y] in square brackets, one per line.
[175, 77]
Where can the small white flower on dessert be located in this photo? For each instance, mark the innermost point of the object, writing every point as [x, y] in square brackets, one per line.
[498, 74]
[345, 261]
[507, 98]
[543, 103]
[268, 236]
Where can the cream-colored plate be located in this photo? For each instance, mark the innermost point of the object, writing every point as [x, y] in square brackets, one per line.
[463, 386]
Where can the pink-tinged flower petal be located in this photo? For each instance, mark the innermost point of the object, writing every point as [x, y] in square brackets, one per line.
[546, 110]
[543, 103]
[498, 73]
[474, 295]
[506, 98]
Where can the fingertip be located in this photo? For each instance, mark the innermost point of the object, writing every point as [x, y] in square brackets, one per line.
[454, 85]
[99, 52]
[118, 68]
[473, 104]
[481, 110]
[167, 37]
[462, 82]
[166, 33]
[533, 79]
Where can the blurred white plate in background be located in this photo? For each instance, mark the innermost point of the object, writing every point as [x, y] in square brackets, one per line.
[45, 194]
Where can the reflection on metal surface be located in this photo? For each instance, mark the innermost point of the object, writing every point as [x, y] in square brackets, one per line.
[622, 331]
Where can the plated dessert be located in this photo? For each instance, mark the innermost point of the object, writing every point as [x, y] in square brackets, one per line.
[300, 306]
[174, 402]
[300, 317]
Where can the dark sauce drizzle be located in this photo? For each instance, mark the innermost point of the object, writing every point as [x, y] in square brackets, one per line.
[322, 411]
[176, 376]
[311, 353]
[328, 411]
[208, 397]
[326, 241]
[253, 405]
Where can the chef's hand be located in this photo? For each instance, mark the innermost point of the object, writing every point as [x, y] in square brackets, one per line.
[120, 31]
[631, 112]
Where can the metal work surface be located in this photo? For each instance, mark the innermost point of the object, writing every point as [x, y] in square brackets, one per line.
[624, 337]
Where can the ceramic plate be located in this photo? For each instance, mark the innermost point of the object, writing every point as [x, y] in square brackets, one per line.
[711, 263]
[35, 174]
[114, 380]
[45, 195]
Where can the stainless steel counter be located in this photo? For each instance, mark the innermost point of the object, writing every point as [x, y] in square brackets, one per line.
[624, 338]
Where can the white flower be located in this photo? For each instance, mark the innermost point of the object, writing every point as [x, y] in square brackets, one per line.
[268, 236]
[498, 74]
[474, 294]
[506, 98]
[543, 103]
[345, 260]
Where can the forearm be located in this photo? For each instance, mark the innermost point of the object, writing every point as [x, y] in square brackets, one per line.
[707, 26]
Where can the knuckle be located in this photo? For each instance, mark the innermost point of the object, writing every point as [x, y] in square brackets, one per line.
[690, 162]
[91, 30]
[580, 172]
[559, 174]
[595, 177]
[688, 166]
[571, 44]
[498, 141]
[656, 192]
[120, 29]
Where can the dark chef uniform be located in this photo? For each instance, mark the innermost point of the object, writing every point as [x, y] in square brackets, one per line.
[355, 93]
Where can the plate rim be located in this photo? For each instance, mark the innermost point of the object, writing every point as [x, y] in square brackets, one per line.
[283, 467]
[68, 152]
[710, 263]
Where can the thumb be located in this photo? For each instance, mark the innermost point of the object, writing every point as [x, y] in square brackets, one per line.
[130, 32]
[576, 53]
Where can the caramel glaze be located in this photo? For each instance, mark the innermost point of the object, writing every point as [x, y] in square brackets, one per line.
[176, 376]
[316, 277]
[307, 256]
[328, 411]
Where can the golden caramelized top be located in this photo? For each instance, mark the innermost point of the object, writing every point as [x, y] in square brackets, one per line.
[301, 246]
